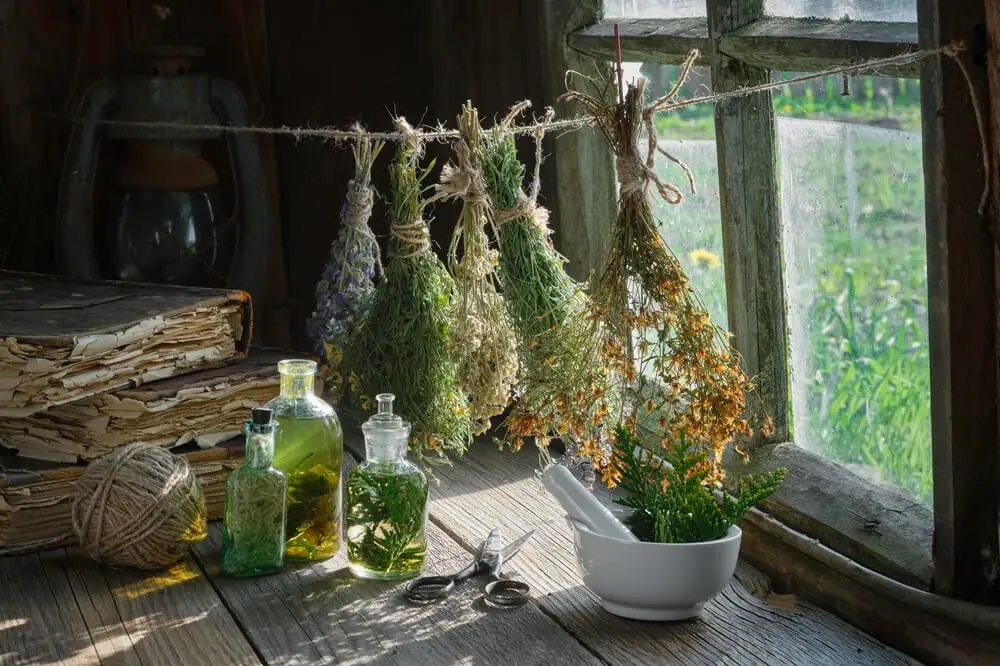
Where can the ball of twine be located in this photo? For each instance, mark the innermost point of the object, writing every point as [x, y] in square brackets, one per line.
[140, 506]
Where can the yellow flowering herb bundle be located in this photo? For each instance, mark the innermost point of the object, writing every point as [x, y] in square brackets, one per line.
[562, 388]
[483, 341]
[403, 344]
[683, 380]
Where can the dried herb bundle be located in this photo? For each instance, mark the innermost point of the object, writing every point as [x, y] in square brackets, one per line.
[348, 282]
[561, 389]
[483, 340]
[675, 363]
[402, 346]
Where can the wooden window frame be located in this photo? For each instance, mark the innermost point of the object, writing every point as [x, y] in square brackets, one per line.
[742, 45]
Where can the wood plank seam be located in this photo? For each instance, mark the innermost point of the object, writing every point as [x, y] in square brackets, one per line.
[472, 548]
[225, 604]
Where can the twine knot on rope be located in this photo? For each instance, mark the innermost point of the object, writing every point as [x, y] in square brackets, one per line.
[140, 506]
[633, 174]
[524, 209]
[462, 181]
[414, 236]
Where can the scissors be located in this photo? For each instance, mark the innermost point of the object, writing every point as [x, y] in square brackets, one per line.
[499, 592]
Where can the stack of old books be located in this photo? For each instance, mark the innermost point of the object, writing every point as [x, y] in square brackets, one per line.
[87, 367]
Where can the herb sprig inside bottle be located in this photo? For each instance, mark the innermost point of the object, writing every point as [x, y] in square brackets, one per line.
[386, 502]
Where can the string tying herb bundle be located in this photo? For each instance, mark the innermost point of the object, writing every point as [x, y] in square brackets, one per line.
[675, 364]
[402, 345]
[483, 340]
[348, 282]
[561, 391]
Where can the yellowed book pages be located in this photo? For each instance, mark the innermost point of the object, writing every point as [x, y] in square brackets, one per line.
[205, 407]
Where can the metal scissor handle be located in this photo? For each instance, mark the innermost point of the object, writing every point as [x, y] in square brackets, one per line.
[505, 593]
[429, 588]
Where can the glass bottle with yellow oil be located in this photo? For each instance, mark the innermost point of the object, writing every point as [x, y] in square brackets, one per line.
[309, 449]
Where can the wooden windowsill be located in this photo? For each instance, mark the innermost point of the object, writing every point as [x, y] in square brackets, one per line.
[877, 526]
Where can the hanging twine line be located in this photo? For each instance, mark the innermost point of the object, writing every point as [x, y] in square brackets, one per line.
[635, 173]
[631, 171]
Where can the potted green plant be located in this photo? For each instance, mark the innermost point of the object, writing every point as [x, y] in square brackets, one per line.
[688, 543]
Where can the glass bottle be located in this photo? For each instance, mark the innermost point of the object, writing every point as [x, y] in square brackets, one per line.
[253, 530]
[386, 502]
[309, 448]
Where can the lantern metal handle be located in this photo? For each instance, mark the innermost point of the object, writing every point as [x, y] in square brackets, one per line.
[76, 251]
[249, 271]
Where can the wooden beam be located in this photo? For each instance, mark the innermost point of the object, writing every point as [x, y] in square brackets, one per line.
[789, 44]
[809, 45]
[751, 218]
[666, 41]
[580, 170]
[962, 315]
[993, 75]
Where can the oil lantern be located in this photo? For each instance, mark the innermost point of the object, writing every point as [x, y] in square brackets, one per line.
[141, 201]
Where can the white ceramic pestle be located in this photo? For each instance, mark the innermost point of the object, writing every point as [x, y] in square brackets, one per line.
[580, 505]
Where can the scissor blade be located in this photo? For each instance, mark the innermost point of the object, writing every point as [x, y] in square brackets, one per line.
[511, 549]
[491, 554]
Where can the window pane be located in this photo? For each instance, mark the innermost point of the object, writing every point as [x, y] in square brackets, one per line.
[654, 8]
[856, 277]
[692, 228]
[854, 10]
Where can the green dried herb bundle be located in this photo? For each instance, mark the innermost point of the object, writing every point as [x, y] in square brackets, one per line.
[673, 360]
[675, 503]
[483, 340]
[562, 389]
[402, 346]
[386, 513]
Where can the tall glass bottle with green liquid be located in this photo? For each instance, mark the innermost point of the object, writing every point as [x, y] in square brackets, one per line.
[309, 448]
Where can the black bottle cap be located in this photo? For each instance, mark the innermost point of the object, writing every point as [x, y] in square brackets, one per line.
[261, 416]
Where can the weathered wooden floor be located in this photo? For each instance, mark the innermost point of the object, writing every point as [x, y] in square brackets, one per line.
[59, 607]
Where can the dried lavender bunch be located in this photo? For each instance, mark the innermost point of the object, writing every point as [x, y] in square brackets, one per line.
[345, 290]
[402, 345]
[482, 340]
[562, 389]
[676, 365]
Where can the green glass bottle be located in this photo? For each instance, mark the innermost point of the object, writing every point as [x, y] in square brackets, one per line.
[386, 502]
[309, 448]
[253, 530]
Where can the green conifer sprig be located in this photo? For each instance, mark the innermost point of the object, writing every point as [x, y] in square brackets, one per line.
[675, 503]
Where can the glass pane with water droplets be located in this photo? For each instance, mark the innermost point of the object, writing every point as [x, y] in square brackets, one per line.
[853, 10]
[654, 8]
[854, 248]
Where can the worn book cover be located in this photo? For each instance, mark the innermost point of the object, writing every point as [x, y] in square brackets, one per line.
[63, 340]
